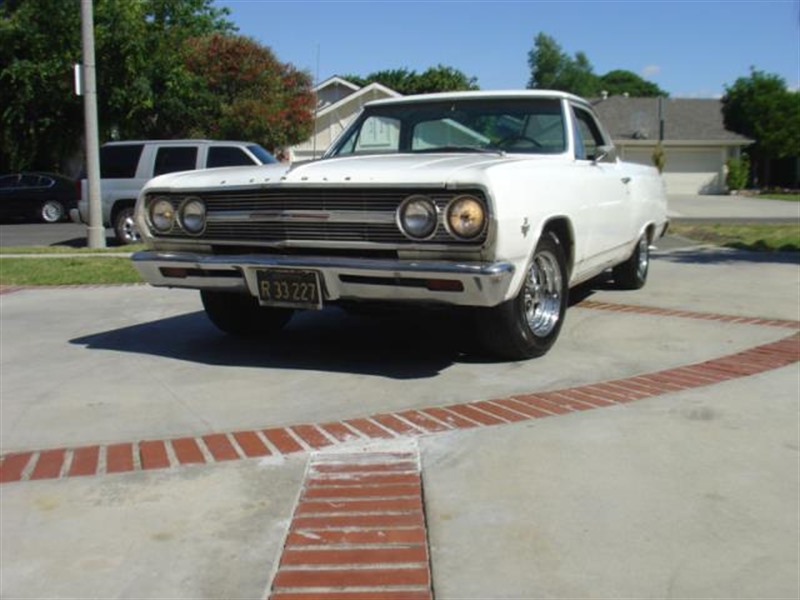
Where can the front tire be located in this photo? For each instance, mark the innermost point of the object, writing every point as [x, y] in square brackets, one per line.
[51, 211]
[632, 274]
[125, 227]
[241, 315]
[528, 325]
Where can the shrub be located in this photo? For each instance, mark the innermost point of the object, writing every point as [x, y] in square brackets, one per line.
[738, 172]
[659, 158]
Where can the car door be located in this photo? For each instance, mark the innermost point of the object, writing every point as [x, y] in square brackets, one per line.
[605, 189]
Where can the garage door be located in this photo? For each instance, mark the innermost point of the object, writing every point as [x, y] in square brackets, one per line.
[686, 171]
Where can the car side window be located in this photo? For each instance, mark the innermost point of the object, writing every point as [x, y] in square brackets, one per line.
[227, 156]
[170, 159]
[31, 181]
[120, 162]
[588, 135]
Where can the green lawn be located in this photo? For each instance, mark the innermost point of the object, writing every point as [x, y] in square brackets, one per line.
[788, 197]
[69, 250]
[67, 271]
[760, 238]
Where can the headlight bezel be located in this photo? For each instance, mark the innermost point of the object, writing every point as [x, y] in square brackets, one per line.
[202, 215]
[428, 206]
[452, 206]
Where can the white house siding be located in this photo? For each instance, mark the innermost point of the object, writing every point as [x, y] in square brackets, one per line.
[686, 170]
[333, 119]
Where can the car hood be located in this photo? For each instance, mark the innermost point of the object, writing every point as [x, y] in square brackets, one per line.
[396, 169]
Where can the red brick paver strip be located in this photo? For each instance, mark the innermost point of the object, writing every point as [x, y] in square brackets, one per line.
[372, 544]
[49, 464]
[153, 455]
[214, 447]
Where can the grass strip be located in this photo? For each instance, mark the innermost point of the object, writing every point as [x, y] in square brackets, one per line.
[753, 237]
[69, 250]
[67, 271]
[787, 197]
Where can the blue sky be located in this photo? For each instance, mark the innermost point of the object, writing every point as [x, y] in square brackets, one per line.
[691, 48]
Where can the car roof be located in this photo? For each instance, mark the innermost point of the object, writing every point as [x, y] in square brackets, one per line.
[186, 142]
[480, 95]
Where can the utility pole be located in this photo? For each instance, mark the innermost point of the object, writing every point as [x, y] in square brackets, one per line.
[96, 232]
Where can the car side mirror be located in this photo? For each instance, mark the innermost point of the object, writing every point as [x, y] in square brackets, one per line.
[605, 153]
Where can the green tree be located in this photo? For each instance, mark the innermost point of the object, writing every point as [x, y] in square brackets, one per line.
[440, 78]
[39, 114]
[248, 93]
[553, 69]
[149, 93]
[762, 108]
[619, 82]
[143, 86]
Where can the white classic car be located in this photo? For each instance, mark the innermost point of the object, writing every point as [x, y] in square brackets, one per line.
[496, 201]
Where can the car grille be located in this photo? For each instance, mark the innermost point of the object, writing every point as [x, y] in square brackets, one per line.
[294, 216]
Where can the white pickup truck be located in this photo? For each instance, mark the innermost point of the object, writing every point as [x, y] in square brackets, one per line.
[494, 201]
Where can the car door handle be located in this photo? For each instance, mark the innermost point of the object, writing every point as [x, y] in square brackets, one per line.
[626, 180]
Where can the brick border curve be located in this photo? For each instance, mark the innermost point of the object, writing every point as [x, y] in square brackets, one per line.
[149, 455]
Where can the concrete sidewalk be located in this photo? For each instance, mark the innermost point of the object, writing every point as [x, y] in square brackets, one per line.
[686, 207]
[692, 493]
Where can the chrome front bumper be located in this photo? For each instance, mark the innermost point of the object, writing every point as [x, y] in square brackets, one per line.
[481, 284]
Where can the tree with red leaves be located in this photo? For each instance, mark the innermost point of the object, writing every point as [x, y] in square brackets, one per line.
[246, 93]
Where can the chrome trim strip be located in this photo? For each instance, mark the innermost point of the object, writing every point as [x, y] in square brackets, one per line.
[302, 216]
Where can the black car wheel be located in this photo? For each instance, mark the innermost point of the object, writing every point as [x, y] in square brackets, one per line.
[241, 315]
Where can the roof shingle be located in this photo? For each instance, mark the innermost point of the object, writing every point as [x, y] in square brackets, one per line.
[685, 119]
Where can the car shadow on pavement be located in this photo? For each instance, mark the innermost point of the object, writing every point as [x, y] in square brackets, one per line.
[405, 347]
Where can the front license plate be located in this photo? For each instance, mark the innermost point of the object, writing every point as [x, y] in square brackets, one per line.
[289, 288]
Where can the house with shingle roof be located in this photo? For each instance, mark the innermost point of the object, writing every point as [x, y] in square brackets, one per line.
[695, 141]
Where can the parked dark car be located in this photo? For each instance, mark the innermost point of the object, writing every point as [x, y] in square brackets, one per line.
[43, 197]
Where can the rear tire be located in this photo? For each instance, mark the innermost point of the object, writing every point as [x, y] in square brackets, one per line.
[528, 325]
[632, 274]
[240, 315]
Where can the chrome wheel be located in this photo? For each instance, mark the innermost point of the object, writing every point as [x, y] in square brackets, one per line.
[528, 324]
[644, 258]
[125, 227]
[52, 211]
[542, 294]
[632, 274]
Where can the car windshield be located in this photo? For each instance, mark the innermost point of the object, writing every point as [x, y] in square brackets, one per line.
[261, 154]
[525, 125]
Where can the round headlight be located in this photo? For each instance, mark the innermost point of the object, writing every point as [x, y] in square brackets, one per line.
[466, 217]
[162, 215]
[417, 217]
[193, 216]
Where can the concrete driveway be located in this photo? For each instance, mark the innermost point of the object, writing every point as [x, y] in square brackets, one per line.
[653, 453]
